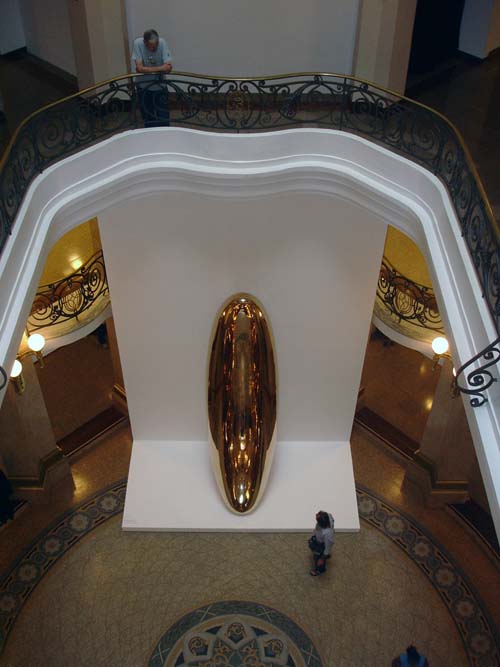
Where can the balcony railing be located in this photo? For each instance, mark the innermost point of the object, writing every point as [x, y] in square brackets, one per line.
[407, 300]
[70, 297]
[254, 105]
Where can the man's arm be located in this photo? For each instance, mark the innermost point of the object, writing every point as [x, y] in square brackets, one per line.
[328, 541]
[166, 57]
[139, 66]
[142, 69]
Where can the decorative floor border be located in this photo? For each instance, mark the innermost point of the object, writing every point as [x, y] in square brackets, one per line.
[26, 571]
[476, 628]
[478, 633]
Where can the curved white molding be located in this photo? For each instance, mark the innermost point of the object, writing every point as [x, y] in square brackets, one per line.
[401, 339]
[245, 166]
[54, 344]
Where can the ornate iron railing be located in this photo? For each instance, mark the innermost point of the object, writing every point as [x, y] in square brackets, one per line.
[479, 379]
[248, 105]
[68, 298]
[407, 300]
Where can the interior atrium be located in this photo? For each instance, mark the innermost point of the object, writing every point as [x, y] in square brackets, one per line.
[254, 285]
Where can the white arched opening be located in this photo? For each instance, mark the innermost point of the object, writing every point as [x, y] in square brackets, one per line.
[309, 161]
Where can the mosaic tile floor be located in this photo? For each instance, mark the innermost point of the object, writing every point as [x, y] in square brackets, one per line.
[85, 593]
[235, 633]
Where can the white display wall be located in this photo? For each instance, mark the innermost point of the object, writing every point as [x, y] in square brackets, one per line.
[256, 38]
[172, 259]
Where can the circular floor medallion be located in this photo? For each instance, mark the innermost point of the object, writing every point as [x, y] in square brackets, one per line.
[235, 634]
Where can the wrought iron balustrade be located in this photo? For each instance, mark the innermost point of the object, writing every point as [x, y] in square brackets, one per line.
[479, 378]
[407, 300]
[255, 105]
[68, 298]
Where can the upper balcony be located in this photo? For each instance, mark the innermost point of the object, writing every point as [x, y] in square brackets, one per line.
[303, 100]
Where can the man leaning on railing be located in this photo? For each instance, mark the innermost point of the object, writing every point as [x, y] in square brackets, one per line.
[150, 55]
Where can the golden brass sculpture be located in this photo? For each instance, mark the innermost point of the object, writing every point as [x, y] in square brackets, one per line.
[242, 401]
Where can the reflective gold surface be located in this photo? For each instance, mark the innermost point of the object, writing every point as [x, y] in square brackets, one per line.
[242, 401]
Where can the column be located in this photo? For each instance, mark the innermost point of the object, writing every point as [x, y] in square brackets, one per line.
[99, 34]
[445, 461]
[384, 41]
[33, 461]
[480, 28]
[118, 396]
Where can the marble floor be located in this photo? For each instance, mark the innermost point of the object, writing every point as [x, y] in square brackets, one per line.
[82, 592]
[390, 394]
[110, 598]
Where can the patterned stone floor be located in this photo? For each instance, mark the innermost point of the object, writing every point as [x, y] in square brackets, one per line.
[235, 633]
[85, 593]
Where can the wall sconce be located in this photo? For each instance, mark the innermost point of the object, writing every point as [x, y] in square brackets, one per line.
[454, 390]
[36, 343]
[440, 347]
[17, 377]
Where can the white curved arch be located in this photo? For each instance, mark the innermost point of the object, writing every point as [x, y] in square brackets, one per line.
[244, 166]
[398, 337]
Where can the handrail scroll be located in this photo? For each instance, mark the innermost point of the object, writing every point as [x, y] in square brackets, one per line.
[480, 378]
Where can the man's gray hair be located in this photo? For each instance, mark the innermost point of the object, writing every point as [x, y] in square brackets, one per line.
[151, 35]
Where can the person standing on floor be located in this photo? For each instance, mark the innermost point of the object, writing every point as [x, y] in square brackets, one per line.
[410, 658]
[321, 542]
[151, 56]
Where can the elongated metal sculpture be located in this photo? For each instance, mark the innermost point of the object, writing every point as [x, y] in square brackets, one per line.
[242, 401]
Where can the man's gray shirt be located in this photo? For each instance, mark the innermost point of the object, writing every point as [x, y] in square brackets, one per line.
[149, 58]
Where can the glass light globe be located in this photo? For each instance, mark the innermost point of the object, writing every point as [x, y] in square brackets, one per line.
[17, 369]
[440, 345]
[36, 342]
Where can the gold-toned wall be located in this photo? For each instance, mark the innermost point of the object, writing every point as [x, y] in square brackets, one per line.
[405, 256]
[71, 252]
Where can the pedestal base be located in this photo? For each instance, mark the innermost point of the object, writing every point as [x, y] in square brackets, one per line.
[421, 472]
[171, 486]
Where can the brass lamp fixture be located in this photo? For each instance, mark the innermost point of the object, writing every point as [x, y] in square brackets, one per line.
[440, 347]
[17, 377]
[454, 390]
[36, 343]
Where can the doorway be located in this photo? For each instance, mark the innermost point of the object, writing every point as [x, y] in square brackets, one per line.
[434, 47]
